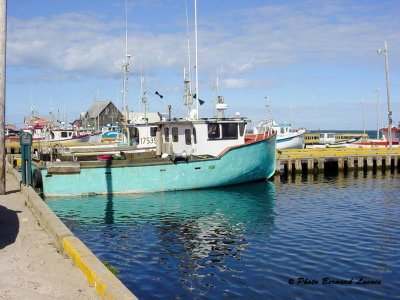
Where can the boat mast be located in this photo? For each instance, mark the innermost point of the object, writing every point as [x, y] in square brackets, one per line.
[197, 66]
[363, 117]
[144, 98]
[126, 70]
[377, 112]
[215, 102]
[188, 96]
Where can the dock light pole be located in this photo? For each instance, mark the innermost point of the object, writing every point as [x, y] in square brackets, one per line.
[3, 35]
[380, 51]
[377, 112]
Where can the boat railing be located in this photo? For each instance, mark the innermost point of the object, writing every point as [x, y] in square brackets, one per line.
[266, 131]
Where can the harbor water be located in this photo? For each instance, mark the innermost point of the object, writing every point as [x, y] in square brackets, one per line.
[335, 236]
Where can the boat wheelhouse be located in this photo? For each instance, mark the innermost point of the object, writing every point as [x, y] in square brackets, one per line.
[203, 136]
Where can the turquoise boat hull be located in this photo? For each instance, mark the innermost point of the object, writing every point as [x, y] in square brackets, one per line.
[245, 163]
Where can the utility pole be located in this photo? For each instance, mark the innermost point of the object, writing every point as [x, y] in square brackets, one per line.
[384, 51]
[3, 34]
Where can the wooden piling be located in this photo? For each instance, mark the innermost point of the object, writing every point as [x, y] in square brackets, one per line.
[379, 161]
[360, 162]
[388, 161]
[298, 166]
[370, 162]
[340, 164]
[350, 163]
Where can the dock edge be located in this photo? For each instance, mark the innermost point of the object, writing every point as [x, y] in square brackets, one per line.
[106, 284]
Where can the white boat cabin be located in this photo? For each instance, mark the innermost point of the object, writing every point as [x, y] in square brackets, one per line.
[327, 138]
[201, 137]
[110, 128]
[143, 135]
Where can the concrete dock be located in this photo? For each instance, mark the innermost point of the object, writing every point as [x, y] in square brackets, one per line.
[40, 258]
[30, 266]
[336, 159]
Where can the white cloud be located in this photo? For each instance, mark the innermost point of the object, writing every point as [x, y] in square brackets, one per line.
[233, 83]
[236, 43]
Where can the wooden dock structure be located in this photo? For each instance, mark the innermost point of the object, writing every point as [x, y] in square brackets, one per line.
[301, 161]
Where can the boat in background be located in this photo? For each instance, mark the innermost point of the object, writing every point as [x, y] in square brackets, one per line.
[286, 138]
[328, 140]
[395, 131]
[53, 134]
[384, 141]
[110, 133]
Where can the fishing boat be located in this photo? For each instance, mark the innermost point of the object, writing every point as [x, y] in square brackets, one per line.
[286, 138]
[191, 154]
[395, 134]
[54, 134]
[383, 142]
[110, 133]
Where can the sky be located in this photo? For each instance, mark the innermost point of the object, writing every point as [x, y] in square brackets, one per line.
[314, 62]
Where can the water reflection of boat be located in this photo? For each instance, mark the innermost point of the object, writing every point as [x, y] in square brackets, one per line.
[239, 201]
[183, 233]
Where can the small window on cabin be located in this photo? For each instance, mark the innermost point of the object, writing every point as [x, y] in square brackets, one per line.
[166, 134]
[174, 134]
[64, 134]
[282, 130]
[229, 131]
[188, 139]
[331, 135]
[213, 131]
[153, 131]
[397, 134]
[242, 126]
[194, 136]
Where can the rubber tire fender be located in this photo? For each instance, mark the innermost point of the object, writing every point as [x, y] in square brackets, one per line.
[37, 179]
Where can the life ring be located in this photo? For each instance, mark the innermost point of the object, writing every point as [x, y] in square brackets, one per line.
[37, 180]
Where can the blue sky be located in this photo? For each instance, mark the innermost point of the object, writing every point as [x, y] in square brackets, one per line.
[315, 60]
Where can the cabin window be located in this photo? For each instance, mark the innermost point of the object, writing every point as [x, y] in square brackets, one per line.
[174, 134]
[194, 136]
[229, 131]
[331, 136]
[397, 134]
[166, 134]
[188, 139]
[153, 131]
[213, 131]
[241, 128]
[282, 130]
[64, 134]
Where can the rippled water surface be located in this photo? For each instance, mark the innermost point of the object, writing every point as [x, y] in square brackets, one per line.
[254, 241]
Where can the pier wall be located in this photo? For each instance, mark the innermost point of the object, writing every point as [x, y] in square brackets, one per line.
[107, 285]
[306, 163]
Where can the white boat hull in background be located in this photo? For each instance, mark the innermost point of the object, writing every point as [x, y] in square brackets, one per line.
[295, 141]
